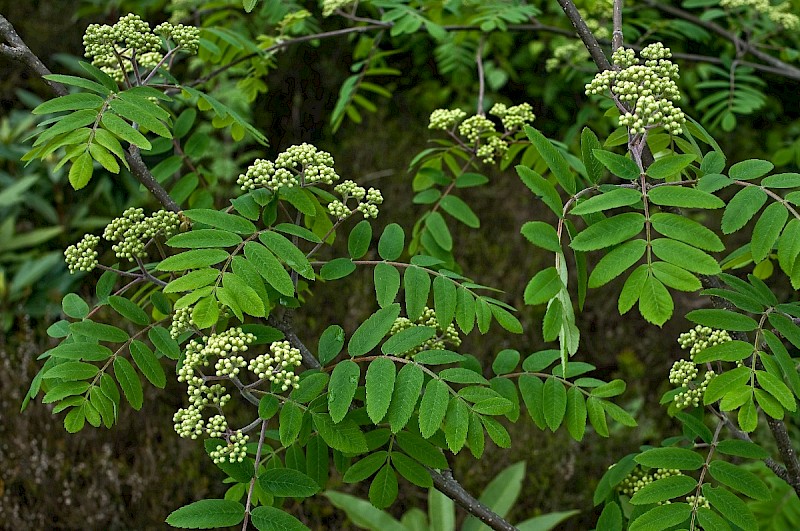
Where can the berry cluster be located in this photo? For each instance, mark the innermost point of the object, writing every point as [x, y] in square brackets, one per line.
[234, 452]
[82, 256]
[297, 166]
[428, 318]
[684, 374]
[778, 14]
[181, 322]
[133, 230]
[480, 132]
[639, 478]
[368, 200]
[700, 500]
[278, 366]
[648, 89]
[131, 38]
[700, 338]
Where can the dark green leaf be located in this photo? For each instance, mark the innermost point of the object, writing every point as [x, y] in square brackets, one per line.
[619, 165]
[380, 378]
[392, 241]
[682, 197]
[371, 331]
[608, 232]
[207, 514]
[129, 381]
[742, 207]
[555, 161]
[342, 388]
[433, 407]
[287, 483]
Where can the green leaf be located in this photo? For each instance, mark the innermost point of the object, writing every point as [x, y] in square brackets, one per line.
[610, 389]
[767, 230]
[682, 197]
[266, 518]
[457, 208]
[383, 489]
[311, 385]
[748, 416]
[662, 517]
[204, 238]
[363, 514]
[543, 286]
[407, 388]
[391, 243]
[728, 351]
[597, 415]
[99, 331]
[723, 383]
[554, 402]
[739, 479]
[684, 256]
[655, 302]
[412, 470]
[417, 285]
[784, 325]
[723, 319]
[123, 130]
[742, 449]
[245, 296]
[128, 309]
[731, 506]
[750, 169]
[632, 289]
[366, 467]
[267, 407]
[445, 300]
[73, 306]
[408, 339]
[387, 283]
[542, 235]
[205, 313]
[78, 82]
[555, 161]
[371, 331]
[742, 207]
[506, 319]
[679, 458]
[784, 360]
[686, 230]
[463, 376]
[619, 165]
[608, 232]
[269, 268]
[81, 171]
[422, 450]
[542, 188]
[129, 381]
[589, 142]
[433, 407]
[295, 230]
[71, 370]
[437, 227]
[136, 113]
[676, 277]
[711, 521]
[359, 240]
[342, 388]
[76, 418]
[287, 483]
[506, 361]
[668, 166]
[614, 198]
[65, 389]
[337, 268]
[775, 386]
[616, 262]
[70, 102]
[192, 280]
[207, 514]
[344, 436]
[221, 220]
[610, 518]
[456, 424]
[664, 489]
[290, 422]
[330, 343]
[576, 413]
[148, 363]
[195, 259]
[380, 378]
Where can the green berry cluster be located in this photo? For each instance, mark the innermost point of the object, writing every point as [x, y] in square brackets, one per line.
[701, 501]
[639, 478]
[278, 366]
[133, 230]
[234, 452]
[82, 256]
[779, 14]
[443, 337]
[330, 6]
[480, 132]
[181, 321]
[446, 119]
[185, 37]
[217, 426]
[297, 166]
[648, 89]
[684, 374]
[700, 338]
[570, 51]
[368, 200]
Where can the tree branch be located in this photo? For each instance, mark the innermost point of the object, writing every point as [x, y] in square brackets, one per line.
[616, 36]
[586, 35]
[787, 69]
[447, 485]
[142, 173]
[17, 49]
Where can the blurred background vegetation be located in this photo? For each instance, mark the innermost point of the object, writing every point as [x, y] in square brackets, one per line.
[133, 476]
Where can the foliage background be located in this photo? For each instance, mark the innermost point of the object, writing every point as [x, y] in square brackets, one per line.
[133, 476]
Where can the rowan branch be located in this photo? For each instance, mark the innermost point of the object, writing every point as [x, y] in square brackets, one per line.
[17, 49]
[586, 35]
[450, 487]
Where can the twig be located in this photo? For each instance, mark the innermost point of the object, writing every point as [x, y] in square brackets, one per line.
[447, 485]
[586, 35]
[616, 36]
[19, 51]
[255, 475]
[481, 80]
[142, 173]
[285, 326]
